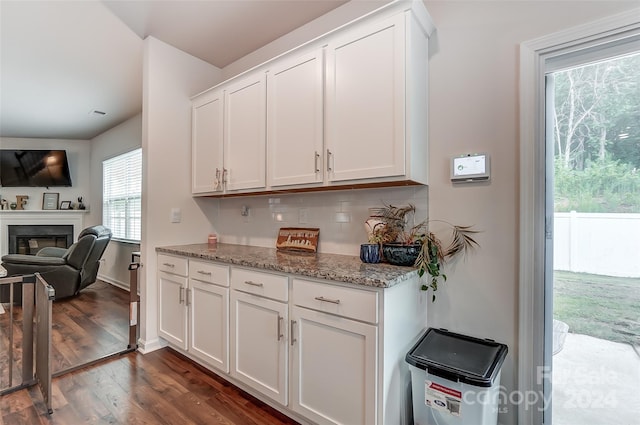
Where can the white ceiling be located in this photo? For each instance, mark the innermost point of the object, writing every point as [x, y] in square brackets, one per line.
[62, 60]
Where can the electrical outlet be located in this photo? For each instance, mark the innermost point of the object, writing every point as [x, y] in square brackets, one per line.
[245, 212]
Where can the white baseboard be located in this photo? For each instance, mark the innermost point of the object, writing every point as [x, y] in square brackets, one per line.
[148, 346]
[114, 282]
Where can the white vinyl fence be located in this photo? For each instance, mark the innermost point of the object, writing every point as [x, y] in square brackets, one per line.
[604, 244]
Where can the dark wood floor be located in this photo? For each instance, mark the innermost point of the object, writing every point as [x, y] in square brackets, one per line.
[162, 387]
[86, 327]
[156, 388]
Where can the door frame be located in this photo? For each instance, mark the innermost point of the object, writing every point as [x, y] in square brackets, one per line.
[535, 227]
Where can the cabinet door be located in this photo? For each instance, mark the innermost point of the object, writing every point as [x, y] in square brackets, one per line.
[365, 102]
[209, 323]
[172, 309]
[333, 379]
[295, 121]
[206, 144]
[245, 134]
[259, 344]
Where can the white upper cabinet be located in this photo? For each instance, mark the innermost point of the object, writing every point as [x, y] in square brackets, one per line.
[365, 102]
[295, 121]
[345, 109]
[206, 145]
[245, 134]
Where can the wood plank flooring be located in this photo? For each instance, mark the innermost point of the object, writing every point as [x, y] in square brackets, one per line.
[86, 327]
[161, 387]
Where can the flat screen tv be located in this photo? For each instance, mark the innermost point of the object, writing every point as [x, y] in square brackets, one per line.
[36, 168]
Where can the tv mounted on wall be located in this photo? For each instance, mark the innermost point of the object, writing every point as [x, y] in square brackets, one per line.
[35, 168]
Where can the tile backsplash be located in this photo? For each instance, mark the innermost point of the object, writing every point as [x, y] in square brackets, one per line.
[340, 215]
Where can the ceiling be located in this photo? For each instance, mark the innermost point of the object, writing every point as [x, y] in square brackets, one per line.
[73, 69]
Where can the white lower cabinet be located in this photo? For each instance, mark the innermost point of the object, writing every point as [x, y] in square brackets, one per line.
[259, 345]
[335, 358]
[172, 288]
[194, 311]
[209, 320]
[259, 314]
[173, 320]
[333, 377]
[325, 352]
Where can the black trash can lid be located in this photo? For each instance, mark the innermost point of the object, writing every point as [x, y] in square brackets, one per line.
[457, 357]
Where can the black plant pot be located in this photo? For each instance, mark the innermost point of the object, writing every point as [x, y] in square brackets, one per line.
[401, 255]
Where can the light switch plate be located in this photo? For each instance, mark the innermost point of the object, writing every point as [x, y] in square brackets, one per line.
[176, 215]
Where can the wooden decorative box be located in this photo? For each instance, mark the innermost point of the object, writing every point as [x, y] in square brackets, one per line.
[298, 239]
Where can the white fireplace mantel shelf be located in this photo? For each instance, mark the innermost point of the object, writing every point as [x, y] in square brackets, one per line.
[12, 212]
[38, 217]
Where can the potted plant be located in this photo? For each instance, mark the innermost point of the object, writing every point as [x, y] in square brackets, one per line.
[416, 245]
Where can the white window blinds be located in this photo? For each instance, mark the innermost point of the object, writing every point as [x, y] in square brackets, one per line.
[122, 195]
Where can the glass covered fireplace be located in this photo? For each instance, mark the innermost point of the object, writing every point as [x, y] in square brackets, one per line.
[30, 239]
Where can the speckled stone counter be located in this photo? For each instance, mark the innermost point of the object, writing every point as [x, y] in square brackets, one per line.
[342, 268]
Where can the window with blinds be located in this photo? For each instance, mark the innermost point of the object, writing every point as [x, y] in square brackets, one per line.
[122, 195]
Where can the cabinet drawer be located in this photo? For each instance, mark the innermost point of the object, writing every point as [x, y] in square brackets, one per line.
[347, 302]
[172, 264]
[209, 272]
[264, 284]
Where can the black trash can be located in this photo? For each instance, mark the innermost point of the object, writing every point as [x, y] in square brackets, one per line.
[455, 379]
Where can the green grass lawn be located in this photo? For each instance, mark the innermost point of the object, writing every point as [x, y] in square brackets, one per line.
[600, 306]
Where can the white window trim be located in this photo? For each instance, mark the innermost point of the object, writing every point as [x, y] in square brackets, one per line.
[532, 191]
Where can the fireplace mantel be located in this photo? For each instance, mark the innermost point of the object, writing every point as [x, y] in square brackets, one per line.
[34, 217]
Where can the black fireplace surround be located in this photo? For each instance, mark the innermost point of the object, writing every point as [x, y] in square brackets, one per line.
[29, 239]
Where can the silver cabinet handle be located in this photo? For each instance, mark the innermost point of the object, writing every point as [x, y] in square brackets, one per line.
[204, 273]
[280, 335]
[181, 299]
[188, 303]
[317, 157]
[329, 156]
[224, 175]
[327, 300]
[293, 339]
[248, 282]
[168, 265]
[216, 181]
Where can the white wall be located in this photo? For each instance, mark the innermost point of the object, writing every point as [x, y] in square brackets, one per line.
[78, 154]
[473, 107]
[325, 23]
[122, 138]
[170, 78]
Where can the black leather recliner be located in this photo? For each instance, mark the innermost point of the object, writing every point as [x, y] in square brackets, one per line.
[67, 270]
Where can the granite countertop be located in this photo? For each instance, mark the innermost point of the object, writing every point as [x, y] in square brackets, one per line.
[341, 268]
